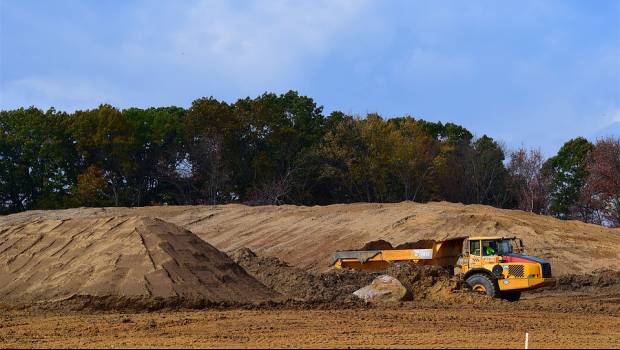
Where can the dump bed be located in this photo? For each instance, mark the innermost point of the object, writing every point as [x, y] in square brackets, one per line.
[378, 259]
[442, 253]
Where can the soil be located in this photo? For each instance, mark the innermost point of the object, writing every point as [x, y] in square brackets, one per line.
[300, 285]
[601, 278]
[428, 283]
[397, 327]
[109, 277]
[307, 236]
[118, 262]
[434, 283]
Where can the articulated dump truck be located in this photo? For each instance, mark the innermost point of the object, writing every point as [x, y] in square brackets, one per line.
[492, 265]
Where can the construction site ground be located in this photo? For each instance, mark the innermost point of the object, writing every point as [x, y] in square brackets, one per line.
[238, 276]
[407, 326]
[570, 316]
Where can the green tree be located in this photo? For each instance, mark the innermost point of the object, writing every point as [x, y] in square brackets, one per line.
[276, 132]
[37, 159]
[342, 159]
[472, 172]
[106, 139]
[448, 132]
[157, 134]
[487, 172]
[213, 140]
[412, 158]
[568, 173]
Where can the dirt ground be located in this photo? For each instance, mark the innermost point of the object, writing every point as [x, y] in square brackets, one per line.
[588, 316]
[399, 326]
[118, 277]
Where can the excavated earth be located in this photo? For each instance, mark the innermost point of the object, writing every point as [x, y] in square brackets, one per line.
[306, 237]
[260, 277]
[118, 262]
[334, 287]
[425, 283]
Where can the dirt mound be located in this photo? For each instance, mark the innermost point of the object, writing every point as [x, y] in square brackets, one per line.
[118, 261]
[345, 282]
[419, 277]
[377, 245]
[434, 283]
[300, 285]
[602, 278]
[421, 244]
[307, 236]
[426, 283]
[290, 281]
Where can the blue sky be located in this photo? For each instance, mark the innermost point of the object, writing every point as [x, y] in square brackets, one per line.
[532, 73]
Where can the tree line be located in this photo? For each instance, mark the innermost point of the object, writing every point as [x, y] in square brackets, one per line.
[276, 149]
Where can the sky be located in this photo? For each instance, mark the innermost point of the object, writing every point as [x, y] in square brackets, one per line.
[527, 73]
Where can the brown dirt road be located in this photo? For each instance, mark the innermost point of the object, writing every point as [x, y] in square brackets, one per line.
[393, 327]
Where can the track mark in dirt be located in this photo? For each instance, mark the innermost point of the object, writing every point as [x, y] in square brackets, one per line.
[147, 285]
[118, 224]
[57, 226]
[148, 251]
[200, 220]
[403, 221]
[12, 245]
[40, 251]
[11, 259]
[71, 240]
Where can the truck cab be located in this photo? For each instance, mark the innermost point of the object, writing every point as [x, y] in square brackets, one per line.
[497, 266]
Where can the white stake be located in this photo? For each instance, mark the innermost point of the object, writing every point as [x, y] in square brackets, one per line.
[526, 340]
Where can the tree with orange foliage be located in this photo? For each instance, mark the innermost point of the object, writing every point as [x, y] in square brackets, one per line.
[602, 187]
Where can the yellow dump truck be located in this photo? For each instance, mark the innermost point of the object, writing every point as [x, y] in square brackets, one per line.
[492, 265]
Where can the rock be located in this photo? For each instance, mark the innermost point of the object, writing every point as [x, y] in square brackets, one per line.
[383, 289]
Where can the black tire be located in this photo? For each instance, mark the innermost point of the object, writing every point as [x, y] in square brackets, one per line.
[483, 283]
[511, 296]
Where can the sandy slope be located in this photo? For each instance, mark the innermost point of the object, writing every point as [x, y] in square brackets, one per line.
[52, 260]
[306, 236]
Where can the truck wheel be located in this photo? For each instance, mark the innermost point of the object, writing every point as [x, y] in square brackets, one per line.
[511, 296]
[483, 284]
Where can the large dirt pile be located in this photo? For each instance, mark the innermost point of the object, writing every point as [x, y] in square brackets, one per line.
[299, 285]
[307, 236]
[116, 262]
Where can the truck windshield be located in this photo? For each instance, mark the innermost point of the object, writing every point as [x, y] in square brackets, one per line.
[496, 247]
[504, 247]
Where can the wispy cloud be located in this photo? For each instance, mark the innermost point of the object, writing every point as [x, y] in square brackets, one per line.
[49, 92]
[255, 44]
[435, 64]
[526, 71]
